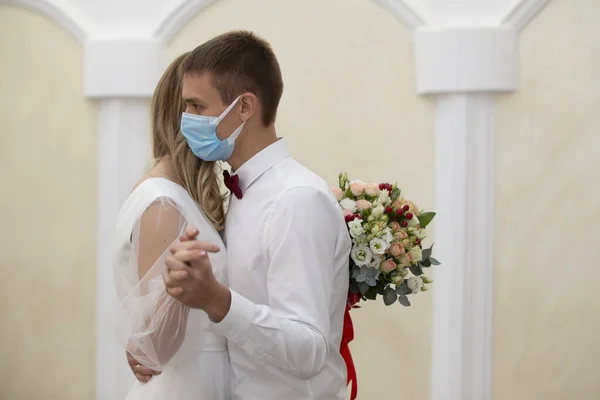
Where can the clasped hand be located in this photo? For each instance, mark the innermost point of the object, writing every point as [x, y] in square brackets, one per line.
[190, 279]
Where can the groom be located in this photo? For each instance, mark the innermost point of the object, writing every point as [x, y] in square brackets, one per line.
[287, 243]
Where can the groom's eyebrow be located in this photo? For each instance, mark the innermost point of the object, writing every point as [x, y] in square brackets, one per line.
[193, 100]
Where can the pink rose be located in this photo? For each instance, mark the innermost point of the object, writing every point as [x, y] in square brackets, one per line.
[357, 188]
[402, 234]
[397, 249]
[372, 189]
[394, 226]
[362, 205]
[347, 213]
[388, 265]
[403, 260]
[337, 192]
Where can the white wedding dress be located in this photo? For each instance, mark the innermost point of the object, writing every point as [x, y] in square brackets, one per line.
[157, 330]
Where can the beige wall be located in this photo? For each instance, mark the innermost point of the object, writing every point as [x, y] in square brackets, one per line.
[547, 308]
[350, 104]
[47, 213]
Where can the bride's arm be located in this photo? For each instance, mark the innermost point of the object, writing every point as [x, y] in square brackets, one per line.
[154, 323]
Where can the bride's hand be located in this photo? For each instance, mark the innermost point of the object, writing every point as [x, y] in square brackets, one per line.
[141, 373]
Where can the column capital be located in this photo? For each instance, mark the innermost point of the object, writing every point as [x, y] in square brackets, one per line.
[122, 67]
[466, 59]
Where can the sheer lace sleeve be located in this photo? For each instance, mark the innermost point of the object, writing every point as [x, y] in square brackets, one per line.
[152, 324]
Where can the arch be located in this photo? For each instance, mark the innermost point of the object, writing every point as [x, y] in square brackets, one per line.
[187, 10]
[55, 13]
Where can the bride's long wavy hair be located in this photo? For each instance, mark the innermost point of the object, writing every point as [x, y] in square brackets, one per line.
[197, 176]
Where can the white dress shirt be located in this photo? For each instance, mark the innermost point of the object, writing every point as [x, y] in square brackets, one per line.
[288, 249]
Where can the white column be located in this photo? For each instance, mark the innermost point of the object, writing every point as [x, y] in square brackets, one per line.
[122, 74]
[122, 154]
[464, 67]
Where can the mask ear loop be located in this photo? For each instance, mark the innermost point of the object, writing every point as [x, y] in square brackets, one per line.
[224, 113]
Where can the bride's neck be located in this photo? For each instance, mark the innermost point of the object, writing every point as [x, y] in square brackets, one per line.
[163, 169]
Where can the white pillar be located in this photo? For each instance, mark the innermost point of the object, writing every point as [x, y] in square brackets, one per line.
[122, 74]
[464, 67]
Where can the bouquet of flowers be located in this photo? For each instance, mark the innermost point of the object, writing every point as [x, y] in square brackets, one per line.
[387, 257]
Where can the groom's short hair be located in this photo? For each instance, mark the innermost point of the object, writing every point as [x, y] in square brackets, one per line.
[239, 62]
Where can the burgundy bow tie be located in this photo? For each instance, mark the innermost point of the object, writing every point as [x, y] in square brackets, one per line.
[233, 184]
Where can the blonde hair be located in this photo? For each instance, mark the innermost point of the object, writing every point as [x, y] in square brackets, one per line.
[197, 176]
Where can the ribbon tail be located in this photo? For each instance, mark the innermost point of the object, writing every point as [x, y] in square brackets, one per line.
[347, 337]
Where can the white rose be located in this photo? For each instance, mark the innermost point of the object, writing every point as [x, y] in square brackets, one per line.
[377, 211]
[384, 197]
[415, 284]
[348, 204]
[387, 236]
[416, 253]
[361, 255]
[414, 221]
[421, 234]
[378, 246]
[375, 262]
[356, 228]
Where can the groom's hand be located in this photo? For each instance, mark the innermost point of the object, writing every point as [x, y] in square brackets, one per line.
[189, 278]
[141, 373]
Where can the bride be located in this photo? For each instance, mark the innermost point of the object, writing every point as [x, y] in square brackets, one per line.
[158, 331]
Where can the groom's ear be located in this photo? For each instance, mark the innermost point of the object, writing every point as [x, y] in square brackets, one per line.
[250, 106]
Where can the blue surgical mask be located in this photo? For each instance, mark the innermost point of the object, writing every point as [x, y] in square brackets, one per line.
[201, 134]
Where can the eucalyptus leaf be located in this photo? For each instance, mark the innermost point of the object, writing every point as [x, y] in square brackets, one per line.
[426, 263]
[395, 194]
[425, 218]
[363, 287]
[434, 261]
[402, 289]
[390, 298]
[354, 288]
[426, 253]
[371, 294]
[416, 270]
[404, 301]
[371, 281]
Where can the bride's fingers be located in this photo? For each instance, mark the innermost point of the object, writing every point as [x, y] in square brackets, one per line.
[185, 256]
[190, 233]
[194, 245]
[174, 277]
[174, 264]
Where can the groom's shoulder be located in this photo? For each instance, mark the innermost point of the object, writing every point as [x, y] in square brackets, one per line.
[295, 175]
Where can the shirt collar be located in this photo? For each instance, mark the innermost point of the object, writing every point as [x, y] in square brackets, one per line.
[252, 169]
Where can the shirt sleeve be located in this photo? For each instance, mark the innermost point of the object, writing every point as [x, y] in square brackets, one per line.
[291, 332]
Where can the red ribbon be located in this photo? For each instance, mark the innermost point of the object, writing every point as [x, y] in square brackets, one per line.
[347, 337]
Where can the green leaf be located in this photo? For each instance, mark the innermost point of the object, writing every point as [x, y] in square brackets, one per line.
[395, 194]
[425, 218]
[402, 289]
[404, 301]
[426, 253]
[371, 294]
[434, 261]
[354, 288]
[363, 287]
[426, 263]
[390, 297]
[416, 270]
